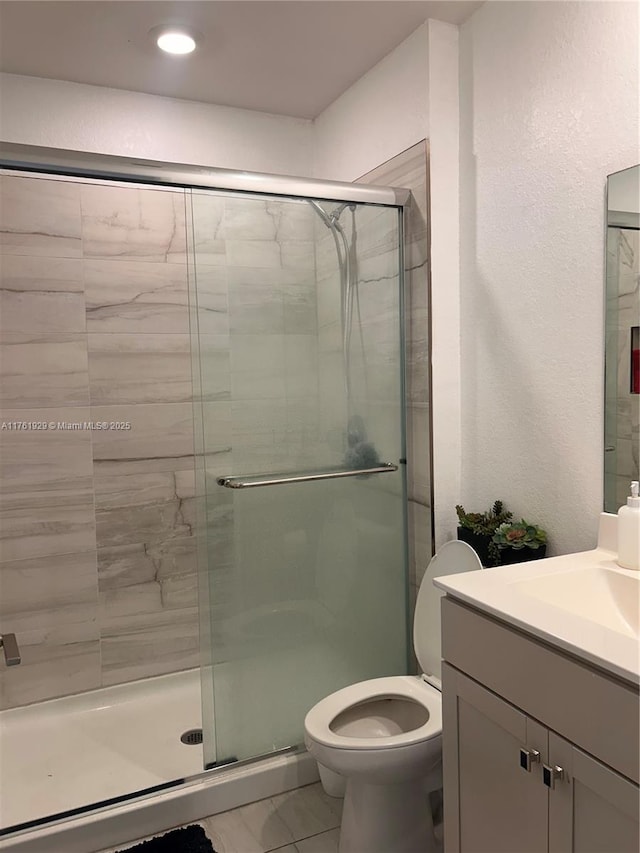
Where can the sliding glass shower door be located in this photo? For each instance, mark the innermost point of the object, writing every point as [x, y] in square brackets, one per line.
[296, 334]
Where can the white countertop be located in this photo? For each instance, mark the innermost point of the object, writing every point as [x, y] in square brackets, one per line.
[572, 625]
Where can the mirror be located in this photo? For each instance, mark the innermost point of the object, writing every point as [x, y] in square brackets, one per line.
[622, 337]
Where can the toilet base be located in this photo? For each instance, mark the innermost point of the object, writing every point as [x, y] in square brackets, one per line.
[384, 818]
[333, 783]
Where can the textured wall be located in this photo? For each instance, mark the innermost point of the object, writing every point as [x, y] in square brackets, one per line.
[381, 114]
[549, 107]
[444, 247]
[58, 114]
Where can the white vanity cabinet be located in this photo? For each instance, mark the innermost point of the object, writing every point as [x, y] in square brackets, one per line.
[540, 750]
[595, 809]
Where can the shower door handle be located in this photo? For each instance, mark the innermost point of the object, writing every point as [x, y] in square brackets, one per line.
[9, 646]
[253, 481]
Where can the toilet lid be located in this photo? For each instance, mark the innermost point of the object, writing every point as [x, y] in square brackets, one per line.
[453, 558]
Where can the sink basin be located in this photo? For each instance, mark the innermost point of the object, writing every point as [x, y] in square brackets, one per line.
[607, 596]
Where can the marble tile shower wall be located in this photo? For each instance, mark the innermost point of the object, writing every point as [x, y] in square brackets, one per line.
[97, 548]
[97, 560]
[409, 169]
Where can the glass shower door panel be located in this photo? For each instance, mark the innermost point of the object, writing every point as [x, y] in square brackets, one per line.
[317, 603]
[306, 580]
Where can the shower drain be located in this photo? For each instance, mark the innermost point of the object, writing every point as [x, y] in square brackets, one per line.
[192, 737]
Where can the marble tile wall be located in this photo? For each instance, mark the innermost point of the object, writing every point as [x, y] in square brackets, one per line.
[97, 562]
[95, 326]
[48, 578]
[409, 169]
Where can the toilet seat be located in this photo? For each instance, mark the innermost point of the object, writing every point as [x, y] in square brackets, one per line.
[407, 687]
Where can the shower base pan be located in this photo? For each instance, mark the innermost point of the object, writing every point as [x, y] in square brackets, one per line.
[77, 751]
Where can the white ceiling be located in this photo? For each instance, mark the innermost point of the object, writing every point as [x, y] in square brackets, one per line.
[292, 57]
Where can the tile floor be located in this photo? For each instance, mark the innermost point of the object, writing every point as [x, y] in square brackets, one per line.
[305, 820]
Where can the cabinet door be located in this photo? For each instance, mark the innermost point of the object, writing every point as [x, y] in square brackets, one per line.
[592, 809]
[492, 804]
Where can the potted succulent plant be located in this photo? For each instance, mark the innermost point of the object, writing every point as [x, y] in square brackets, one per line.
[478, 528]
[499, 541]
[520, 541]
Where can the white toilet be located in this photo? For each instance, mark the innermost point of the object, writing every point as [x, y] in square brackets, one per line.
[384, 736]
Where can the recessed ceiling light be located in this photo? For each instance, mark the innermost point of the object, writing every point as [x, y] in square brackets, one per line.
[177, 41]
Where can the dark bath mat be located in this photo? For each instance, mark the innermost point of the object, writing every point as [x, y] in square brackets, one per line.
[189, 839]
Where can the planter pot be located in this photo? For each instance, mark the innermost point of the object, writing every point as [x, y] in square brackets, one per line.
[480, 544]
[507, 557]
[521, 555]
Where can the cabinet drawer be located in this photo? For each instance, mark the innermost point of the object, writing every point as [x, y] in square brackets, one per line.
[595, 712]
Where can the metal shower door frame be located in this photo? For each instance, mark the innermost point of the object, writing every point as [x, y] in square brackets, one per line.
[33, 158]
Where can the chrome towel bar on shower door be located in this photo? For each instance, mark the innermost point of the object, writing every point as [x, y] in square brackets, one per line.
[252, 481]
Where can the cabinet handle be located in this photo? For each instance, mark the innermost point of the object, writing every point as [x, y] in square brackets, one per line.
[550, 774]
[528, 757]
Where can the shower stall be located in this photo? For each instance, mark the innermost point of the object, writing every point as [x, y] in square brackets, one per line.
[203, 470]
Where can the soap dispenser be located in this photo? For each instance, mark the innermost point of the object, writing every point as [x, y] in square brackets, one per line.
[629, 531]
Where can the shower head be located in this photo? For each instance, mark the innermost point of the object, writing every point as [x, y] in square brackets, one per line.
[337, 213]
[331, 219]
